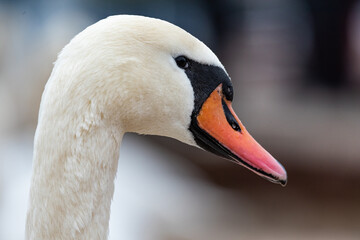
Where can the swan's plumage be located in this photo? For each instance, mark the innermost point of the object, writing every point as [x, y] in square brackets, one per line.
[106, 57]
[118, 75]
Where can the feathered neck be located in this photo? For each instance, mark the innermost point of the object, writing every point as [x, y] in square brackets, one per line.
[74, 166]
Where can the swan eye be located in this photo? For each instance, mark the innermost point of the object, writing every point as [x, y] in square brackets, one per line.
[182, 62]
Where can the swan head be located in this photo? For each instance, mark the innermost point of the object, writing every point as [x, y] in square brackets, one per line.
[148, 76]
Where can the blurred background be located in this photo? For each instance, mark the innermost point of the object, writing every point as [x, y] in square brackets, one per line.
[295, 67]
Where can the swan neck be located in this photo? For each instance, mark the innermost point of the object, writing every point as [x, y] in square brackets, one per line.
[74, 166]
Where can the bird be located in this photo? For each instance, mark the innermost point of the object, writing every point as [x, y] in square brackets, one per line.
[126, 73]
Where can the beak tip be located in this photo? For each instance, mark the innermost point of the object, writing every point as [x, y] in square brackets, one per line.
[281, 175]
[283, 182]
[279, 180]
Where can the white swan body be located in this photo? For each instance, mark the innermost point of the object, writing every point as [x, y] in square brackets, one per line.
[118, 75]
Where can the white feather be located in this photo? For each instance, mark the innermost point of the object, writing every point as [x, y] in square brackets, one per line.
[116, 76]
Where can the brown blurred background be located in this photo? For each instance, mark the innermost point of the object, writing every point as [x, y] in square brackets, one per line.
[295, 67]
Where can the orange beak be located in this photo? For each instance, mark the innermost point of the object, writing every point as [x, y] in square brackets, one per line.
[220, 129]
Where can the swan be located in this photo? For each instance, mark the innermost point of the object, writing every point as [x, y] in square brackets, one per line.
[126, 74]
